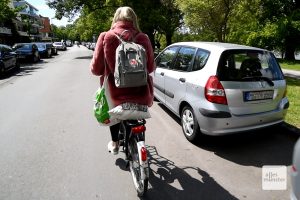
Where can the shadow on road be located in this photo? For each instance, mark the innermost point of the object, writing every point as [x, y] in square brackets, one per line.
[269, 146]
[26, 69]
[85, 57]
[168, 181]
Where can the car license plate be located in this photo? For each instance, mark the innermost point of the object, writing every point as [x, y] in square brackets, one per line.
[258, 95]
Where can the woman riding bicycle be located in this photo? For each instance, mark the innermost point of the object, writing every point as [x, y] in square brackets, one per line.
[124, 19]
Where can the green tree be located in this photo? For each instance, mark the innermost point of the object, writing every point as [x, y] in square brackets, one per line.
[284, 17]
[6, 12]
[90, 24]
[170, 20]
[208, 17]
[150, 14]
[243, 25]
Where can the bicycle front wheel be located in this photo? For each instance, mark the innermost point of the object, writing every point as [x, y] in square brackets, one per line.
[139, 173]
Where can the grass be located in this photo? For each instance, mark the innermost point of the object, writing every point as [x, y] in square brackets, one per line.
[292, 65]
[293, 93]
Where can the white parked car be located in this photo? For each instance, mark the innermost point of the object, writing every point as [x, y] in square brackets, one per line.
[295, 176]
[60, 46]
[220, 88]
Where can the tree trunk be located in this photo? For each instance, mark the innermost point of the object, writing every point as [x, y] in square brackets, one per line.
[290, 48]
[290, 53]
[151, 37]
[169, 39]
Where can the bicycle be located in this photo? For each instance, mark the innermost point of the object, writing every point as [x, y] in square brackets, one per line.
[132, 138]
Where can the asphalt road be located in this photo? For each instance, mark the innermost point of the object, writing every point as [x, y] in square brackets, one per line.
[51, 147]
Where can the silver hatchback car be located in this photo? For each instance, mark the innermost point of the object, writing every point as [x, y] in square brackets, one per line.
[220, 88]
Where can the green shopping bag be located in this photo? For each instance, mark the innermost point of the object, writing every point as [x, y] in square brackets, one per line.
[101, 106]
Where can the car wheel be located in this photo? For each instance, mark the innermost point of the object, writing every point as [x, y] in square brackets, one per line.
[189, 123]
[49, 55]
[2, 70]
[34, 57]
[17, 66]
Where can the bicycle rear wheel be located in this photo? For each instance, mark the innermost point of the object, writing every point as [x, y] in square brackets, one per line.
[139, 173]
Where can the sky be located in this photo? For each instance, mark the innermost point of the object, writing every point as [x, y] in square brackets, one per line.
[45, 11]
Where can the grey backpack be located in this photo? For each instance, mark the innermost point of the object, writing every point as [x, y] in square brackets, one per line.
[131, 65]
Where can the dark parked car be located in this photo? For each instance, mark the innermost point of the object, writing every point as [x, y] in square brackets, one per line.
[44, 49]
[28, 51]
[8, 59]
[53, 48]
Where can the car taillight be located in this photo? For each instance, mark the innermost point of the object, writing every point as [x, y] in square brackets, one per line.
[214, 91]
[138, 129]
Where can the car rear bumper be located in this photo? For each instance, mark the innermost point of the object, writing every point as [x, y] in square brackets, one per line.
[215, 124]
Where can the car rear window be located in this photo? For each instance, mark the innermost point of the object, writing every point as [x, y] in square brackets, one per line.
[237, 65]
[41, 46]
[21, 46]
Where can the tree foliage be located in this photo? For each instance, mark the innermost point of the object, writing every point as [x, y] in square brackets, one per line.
[208, 17]
[96, 15]
[271, 24]
[6, 12]
[285, 16]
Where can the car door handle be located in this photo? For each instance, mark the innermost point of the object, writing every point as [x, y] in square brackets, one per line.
[182, 80]
[162, 73]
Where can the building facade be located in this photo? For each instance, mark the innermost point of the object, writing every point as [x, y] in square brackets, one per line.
[28, 21]
[27, 26]
[45, 31]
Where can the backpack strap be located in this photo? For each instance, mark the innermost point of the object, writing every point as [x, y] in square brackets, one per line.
[120, 37]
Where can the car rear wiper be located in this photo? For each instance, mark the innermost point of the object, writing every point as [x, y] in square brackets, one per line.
[259, 78]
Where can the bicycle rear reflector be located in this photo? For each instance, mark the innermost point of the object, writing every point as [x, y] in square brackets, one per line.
[143, 154]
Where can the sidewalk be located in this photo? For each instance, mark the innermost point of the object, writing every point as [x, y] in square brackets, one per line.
[291, 73]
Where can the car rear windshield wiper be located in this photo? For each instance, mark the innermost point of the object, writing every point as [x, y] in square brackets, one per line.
[259, 78]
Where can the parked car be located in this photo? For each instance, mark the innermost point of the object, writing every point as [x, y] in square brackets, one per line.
[53, 48]
[8, 59]
[295, 173]
[44, 49]
[220, 88]
[28, 51]
[92, 46]
[60, 46]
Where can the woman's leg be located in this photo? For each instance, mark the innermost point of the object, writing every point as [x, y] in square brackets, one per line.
[114, 131]
[113, 146]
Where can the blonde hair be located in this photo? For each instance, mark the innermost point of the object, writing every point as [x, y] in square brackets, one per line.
[126, 14]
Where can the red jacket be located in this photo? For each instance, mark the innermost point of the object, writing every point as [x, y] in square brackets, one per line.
[105, 48]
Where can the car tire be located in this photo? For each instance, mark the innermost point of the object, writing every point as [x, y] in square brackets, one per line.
[2, 70]
[17, 66]
[34, 58]
[189, 124]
